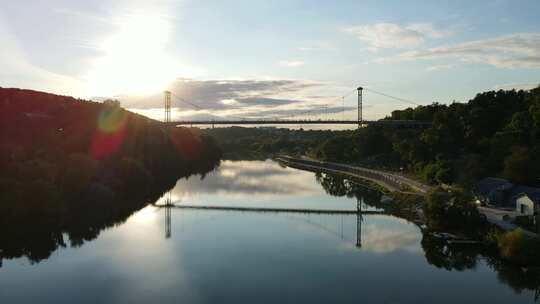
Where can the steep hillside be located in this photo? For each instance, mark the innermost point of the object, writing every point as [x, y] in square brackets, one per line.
[76, 166]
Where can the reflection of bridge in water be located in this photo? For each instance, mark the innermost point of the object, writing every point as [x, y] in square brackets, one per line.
[359, 212]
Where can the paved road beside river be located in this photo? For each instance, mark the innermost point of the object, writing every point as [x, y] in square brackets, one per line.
[392, 181]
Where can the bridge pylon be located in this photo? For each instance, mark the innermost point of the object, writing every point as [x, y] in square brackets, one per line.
[167, 106]
[360, 118]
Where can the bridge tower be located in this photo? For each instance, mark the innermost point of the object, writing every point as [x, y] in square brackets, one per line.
[360, 119]
[167, 105]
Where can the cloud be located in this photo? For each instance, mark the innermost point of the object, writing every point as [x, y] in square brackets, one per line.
[390, 238]
[390, 35]
[245, 178]
[428, 30]
[253, 101]
[520, 50]
[320, 110]
[317, 46]
[440, 67]
[244, 99]
[234, 99]
[292, 64]
[225, 94]
[17, 70]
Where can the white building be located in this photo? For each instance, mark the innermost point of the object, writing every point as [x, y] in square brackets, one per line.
[525, 204]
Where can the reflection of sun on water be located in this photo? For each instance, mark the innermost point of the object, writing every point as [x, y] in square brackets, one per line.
[145, 216]
[134, 61]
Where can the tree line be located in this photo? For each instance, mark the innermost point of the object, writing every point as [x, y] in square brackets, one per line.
[496, 133]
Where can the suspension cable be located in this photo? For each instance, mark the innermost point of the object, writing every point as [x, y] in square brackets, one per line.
[393, 97]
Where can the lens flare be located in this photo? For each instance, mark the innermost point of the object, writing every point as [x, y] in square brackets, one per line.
[110, 133]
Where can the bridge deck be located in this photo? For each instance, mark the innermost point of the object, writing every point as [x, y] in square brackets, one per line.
[301, 122]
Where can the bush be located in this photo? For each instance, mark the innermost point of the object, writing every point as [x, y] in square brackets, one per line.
[452, 210]
[511, 243]
[516, 247]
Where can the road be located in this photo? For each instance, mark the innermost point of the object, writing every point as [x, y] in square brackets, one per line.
[495, 217]
[392, 181]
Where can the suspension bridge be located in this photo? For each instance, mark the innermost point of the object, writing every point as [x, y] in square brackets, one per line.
[359, 121]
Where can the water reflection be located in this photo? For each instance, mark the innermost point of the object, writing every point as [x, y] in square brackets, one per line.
[36, 237]
[244, 178]
[206, 256]
[438, 253]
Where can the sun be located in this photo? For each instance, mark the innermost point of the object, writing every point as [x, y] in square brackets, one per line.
[134, 59]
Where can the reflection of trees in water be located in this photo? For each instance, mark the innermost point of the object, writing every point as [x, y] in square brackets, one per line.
[437, 252]
[518, 278]
[339, 186]
[464, 257]
[441, 255]
[33, 235]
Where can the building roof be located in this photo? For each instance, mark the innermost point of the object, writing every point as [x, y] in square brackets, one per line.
[490, 184]
[500, 191]
[532, 193]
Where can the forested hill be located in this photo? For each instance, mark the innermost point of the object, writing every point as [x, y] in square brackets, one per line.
[75, 165]
[37, 122]
[496, 133]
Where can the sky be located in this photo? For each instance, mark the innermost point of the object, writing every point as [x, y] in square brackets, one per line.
[270, 59]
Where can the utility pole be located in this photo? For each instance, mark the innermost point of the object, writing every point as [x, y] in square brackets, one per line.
[167, 101]
[360, 119]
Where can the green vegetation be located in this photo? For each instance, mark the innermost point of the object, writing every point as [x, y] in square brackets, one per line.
[452, 210]
[259, 143]
[497, 133]
[515, 247]
[74, 166]
[513, 257]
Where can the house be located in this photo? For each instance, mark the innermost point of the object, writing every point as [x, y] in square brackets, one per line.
[493, 191]
[501, 193]
[527, 200]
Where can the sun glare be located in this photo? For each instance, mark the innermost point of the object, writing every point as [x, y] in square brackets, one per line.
[147, 215]
[135, 61]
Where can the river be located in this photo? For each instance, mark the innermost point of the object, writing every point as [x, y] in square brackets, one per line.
[171, 255]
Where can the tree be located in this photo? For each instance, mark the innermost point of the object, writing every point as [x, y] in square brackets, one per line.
[452, 209]
[112, 103]
[520, 166]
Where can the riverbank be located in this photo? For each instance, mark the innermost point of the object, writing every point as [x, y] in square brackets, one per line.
[392, 182]
[77, 166]
[197, 250]
[445, 214]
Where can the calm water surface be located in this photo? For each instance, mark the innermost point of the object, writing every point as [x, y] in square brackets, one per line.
[162, 255]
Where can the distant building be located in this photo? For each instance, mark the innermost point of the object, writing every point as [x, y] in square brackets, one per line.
[501, 193]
